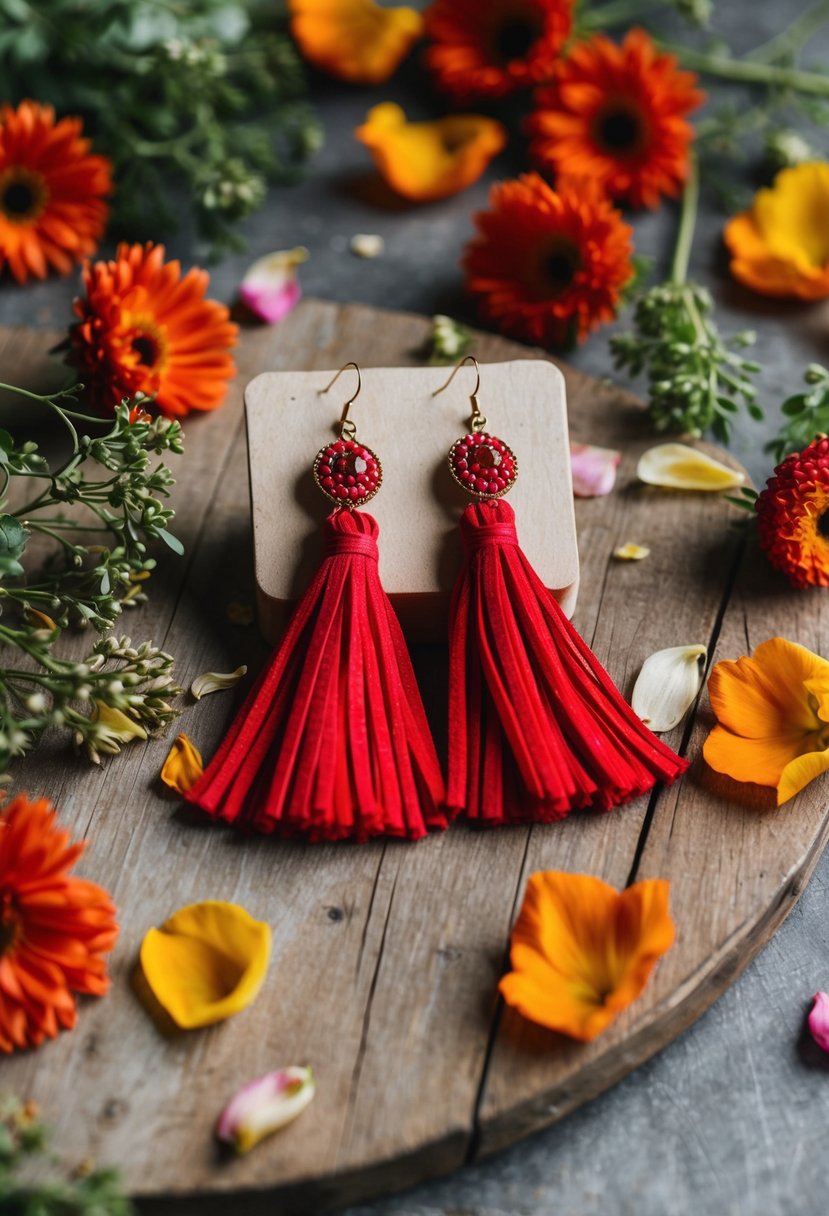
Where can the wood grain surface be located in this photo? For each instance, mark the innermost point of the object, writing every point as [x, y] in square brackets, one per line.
[386, 956]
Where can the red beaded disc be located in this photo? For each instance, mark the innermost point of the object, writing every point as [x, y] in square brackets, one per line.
[483, 465]
[348, 472]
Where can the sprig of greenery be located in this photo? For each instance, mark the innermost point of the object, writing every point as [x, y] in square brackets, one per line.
[83, 533]
[202, 96]
[806, 415]
[84, 1191]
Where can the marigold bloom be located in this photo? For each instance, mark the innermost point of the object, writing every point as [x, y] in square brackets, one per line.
[488, 50]
[145, 328]
[773, 717]
[793, 516]
[54, 929]
[616, 115]
[582, 951]
[548, 266]
[355, 40]
[780, 246]
[52, 191]
[430, 160]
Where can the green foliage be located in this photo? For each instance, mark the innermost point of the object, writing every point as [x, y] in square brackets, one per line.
[92, 515]
[806, 415]
[86, 1191]
[450, 341]
[196, 96]
[696, 379]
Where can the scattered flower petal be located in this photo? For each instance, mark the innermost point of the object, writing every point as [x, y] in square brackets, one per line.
[667, 686]
[215, 681]
[35, 617]
[423, 161]
[631, 552]
[593, 469]
[675, 466]
[773, 717]
[779, 246]
[367, 245]
[582, 952]
[819, 1020]
[355, 40]
[792, 516]
[206, 963]
[238, 613]
[183, 766]
[264, 1106]
[270, 288]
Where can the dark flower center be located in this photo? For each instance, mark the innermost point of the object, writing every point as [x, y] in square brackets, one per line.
[146, 348]
[18, 199]
[515, 38]
[22, 195]
[823, 524]
[619, 131]
[560, 268]
[9, 923]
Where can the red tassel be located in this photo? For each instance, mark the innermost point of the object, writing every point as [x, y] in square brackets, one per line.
[536, 726]
[332, 742]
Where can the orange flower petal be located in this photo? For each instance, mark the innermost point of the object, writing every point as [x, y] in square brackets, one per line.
[183, 766]
[582, 952]
[763, 697]
[430, 160]
[355, 40]
[760, 761]
[798, 773]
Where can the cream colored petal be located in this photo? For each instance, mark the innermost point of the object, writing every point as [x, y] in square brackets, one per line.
[631, 552]
[667, 686]
[215, 681]
[675, 466]
[368, 245]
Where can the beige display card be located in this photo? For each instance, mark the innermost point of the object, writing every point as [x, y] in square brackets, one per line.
[419, 504]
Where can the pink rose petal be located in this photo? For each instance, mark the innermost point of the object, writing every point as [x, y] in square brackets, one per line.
[594, 469]
[819, 1020]
[270, 288]
[264, 1106]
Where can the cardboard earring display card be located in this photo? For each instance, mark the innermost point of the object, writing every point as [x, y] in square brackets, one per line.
[418, 506]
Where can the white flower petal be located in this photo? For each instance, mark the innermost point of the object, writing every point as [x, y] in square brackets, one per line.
[679, 467]
[368, 245]
[594, 469]
[214, 681]
[631, 552]
[270, 288]
[264, 1106]
[667, 686]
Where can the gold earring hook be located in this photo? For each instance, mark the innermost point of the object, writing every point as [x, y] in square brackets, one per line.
[478, 419]
[348, 429]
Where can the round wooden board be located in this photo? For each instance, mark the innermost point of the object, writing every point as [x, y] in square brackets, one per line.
[386, 957]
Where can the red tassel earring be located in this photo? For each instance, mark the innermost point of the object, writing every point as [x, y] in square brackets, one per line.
[332, 741]
[536, 726]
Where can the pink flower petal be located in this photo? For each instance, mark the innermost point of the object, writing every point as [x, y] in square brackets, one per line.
[264, 1106]
[594, 469]
[270, 288]
[819, 1020]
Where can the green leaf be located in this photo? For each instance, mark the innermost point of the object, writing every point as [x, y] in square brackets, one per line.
[171, 541]
[13, 537]
[793, 406]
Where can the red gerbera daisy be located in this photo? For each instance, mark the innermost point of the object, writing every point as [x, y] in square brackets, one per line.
[54, 929]
[548, 266]
[616, 114]
[144, 328]
[52, 189]
[487, 50]
[793, 516]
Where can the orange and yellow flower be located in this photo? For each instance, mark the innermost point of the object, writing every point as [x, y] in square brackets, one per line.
[582, 951]
[488, 50]
[429, 160]
[793, 516]
[772, 712]
[52, 192]
[54, 929]
[548, 266]
[780, 246]
[355, 40]
[617, 115]
[144, 328]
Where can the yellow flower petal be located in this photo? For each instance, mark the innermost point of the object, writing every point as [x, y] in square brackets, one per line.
[667, 686]
[206, 963]
[356, 40]
[631, 552]
[798, 773]
[582, 952]
[675, 466]
[183, 766]
[429, 160]
[215, 681]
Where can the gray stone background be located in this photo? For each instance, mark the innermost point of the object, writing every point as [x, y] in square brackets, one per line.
[733, 1118]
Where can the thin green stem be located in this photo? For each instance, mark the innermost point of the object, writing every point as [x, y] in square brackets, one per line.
[746, 71]
[687, 224]
[792, 39]
[615, 13]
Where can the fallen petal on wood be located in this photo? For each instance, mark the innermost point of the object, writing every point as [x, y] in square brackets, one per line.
[667, 686]
[270, 288]
[594, 469]
[183, 766]
[819, 1020]
[631, 552]
[215, 681]
[264, 1106]
[675, 466]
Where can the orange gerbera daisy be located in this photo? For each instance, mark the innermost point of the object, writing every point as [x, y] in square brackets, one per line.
[793, 516]
[488, 50]
[52, 191]
[355, 40]
[548, 266]
[582, 951]
[54, 930]
[616, 114]
[145, 328]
